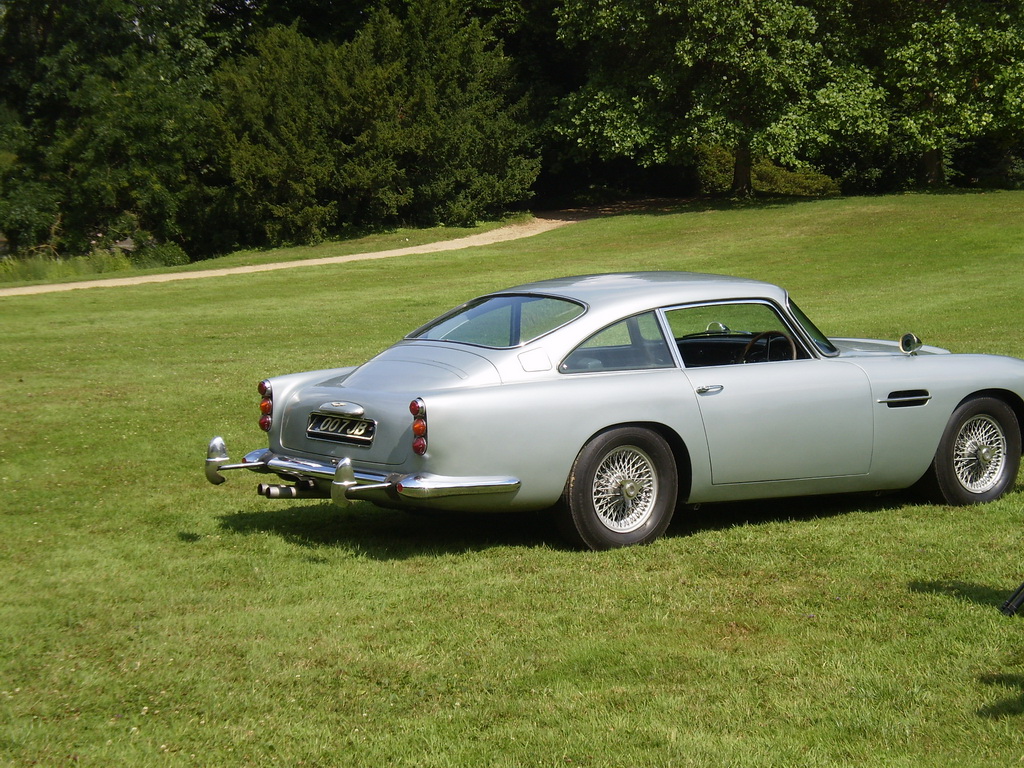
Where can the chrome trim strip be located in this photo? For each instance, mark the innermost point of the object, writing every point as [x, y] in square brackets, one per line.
[428, 486]
[909, 400]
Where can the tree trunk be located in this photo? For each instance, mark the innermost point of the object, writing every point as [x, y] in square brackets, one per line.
[933, 174]
[742, 182]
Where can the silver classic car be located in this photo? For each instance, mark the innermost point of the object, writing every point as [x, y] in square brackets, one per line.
[610, 399]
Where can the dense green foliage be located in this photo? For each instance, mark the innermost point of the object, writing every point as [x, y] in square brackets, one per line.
[151, 619]
[708, 73]
[214, 124]
[854, 87]
[179, 126]
[405, 122]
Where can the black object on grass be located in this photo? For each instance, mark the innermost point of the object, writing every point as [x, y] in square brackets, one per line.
[1016, 600]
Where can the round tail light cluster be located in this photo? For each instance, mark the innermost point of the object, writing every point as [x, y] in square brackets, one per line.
[418, 409]
[266, 405]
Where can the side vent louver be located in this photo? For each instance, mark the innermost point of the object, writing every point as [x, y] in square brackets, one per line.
[907, 398]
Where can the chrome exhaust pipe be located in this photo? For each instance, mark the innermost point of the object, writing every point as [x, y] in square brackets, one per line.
[287, 492]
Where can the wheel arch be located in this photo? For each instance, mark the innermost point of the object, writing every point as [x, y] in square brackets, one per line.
[1011, 398]
[680, 452]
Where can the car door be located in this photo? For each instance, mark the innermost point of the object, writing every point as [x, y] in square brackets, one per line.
[772, 415]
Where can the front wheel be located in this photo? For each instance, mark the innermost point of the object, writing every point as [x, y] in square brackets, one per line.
[621, 490]
[978, 455]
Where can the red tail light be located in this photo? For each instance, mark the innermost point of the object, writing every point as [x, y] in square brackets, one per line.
[419, 426]
[266, 404]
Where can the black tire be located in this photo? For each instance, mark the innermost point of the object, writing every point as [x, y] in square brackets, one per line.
[621, 490]
[978, 455]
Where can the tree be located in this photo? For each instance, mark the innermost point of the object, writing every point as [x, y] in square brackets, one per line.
[940, 73]
[668, 78]
[954, 70]
[279, 111]
[471, 154]
[108, 98]
[409, 122]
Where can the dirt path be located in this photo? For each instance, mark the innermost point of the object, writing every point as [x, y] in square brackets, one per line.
[542, 222]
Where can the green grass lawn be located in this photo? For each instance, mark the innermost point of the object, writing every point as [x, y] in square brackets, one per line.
[149, 618]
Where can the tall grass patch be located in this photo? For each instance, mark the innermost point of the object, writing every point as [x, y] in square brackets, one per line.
[168, 257]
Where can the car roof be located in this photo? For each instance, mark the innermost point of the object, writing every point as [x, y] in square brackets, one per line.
[629, 292]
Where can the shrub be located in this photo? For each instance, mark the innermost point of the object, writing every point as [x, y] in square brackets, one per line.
[161, 255]
[29, 215]
[102, 260]
[774, 179]
[715, 164]
[714, 169]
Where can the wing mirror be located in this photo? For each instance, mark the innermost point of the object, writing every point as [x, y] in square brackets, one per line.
[909, 344]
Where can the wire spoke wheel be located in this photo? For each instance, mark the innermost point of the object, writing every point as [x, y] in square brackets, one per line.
[979, 454]
[621, 490]
[625, 489]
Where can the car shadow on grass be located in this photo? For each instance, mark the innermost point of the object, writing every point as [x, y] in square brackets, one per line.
[390, 534]
[724, 515]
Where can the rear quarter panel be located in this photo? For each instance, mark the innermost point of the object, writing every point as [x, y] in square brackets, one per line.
[534, 430]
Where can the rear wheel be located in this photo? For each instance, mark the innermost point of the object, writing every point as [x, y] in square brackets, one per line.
[978, 455]
[621, 490]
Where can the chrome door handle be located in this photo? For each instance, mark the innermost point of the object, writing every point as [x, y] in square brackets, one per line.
[709, 389]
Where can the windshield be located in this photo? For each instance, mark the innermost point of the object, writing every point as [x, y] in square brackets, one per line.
[820, 339]
[501, 321]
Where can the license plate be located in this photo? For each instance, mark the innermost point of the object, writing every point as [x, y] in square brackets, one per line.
[340, 429]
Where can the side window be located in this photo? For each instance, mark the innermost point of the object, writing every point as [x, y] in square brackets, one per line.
[727, 334]
[632, 344]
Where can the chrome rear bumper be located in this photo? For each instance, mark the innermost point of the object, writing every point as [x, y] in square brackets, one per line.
[348, 483]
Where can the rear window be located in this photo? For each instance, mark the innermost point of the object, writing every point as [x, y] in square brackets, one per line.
[501, 321]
